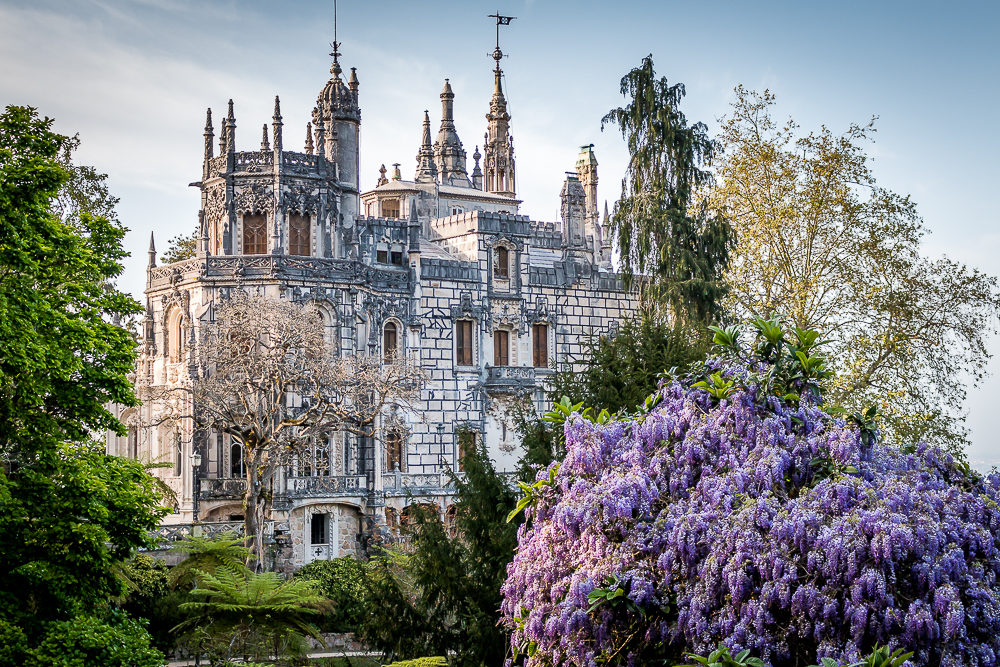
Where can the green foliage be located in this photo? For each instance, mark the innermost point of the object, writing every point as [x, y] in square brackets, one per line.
[530, 491]
[421, 662]
[207, 554]
[341, 581]
[721, 657]
[86, 641]
[879, 657]
[148, 595]
[448, 599]
[69, 514]
[242, 614]
[662, 230]
[181, 247]
[622, 370]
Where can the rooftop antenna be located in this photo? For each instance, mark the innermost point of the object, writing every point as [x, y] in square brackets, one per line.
[501, 20]
[335, 45]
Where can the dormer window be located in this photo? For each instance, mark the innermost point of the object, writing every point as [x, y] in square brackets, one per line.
[457, 210]
[502, 268]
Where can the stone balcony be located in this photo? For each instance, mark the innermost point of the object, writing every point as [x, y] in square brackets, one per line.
[308, 487]
[509, 379]
[222, 489]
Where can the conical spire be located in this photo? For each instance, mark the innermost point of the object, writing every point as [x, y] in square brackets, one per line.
[499, 147]
[209, 135]
[426, 169]
[449, 156]
[309, 138]
[152, 250]
[265, 145]
[230, 130]
[276, 124]
[477, 173]
[414, 228]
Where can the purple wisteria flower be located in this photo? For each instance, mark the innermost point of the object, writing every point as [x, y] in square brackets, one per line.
[717, 525]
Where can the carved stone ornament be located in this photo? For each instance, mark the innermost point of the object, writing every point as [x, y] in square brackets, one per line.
[254, 198]
[300, 199]
[215, 204]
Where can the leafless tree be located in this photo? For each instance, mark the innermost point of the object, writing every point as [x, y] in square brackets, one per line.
[270, 379]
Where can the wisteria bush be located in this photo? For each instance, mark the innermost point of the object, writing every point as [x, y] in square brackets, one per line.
[739, 511]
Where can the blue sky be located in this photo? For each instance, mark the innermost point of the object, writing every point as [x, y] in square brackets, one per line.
[134, 79]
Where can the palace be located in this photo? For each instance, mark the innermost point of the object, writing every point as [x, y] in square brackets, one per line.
[441, 268]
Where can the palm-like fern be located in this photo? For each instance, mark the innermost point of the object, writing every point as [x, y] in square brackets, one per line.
[258, 615]
[208, 555]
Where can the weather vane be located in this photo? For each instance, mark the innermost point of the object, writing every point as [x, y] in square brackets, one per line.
[335, 45]
[501, 20]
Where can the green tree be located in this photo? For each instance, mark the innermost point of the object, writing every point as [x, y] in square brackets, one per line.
[181, 247]
[820, 242]
[665, 234]
[69, 514]
[341, 581]
[85, 640]
[204, 554]
[149, 596]
[248, 615]
[453, 607]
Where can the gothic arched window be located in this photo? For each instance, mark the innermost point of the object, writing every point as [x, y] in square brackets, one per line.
[298, 235]
[175, 335]
[390, 341]
[237, 466]
[254, 234]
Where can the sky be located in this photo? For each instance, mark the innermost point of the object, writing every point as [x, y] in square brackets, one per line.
[134, 79]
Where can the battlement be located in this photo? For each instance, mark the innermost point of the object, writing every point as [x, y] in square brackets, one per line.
[480, 221]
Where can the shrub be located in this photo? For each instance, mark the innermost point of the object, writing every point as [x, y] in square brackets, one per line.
[341, 581]
[739, 511]
[85, 641]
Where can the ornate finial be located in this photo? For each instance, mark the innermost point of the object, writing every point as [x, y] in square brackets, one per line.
[152, 250]
[335, 45]
[277, 110]
[606, 216]
[230, 130]
[396, 175]
[276, 124]
[309, 138]
[382, 180]
[265, 145]
[208, 122]
[209, 133]
[353, 82]
[501, 20]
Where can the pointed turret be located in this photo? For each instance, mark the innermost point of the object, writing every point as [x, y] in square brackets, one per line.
[426, 169]
[152, 250]
[449, 156]
[499, 146]
[276, 125]
[230, 130]
[477, 173]
[209, 135]
[265, 145]
[309, 138]
[414, 230]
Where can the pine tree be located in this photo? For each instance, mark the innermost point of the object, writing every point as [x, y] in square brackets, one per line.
[667, 237]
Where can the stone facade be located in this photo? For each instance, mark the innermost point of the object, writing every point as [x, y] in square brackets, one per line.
[488, 301]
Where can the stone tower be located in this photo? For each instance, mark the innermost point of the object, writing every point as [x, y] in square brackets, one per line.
[449, 155]
[337, 124]
[499, 145]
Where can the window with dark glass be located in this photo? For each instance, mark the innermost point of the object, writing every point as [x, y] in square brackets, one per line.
[396, 257]
[389, 341]
[501, 340]
[254, 234]
[318, 531]
[237, 468]
[463, 343]
[394, 451]
[382, 256]
[390, 208]
[298, 235]
[503, 264]
[540, 345]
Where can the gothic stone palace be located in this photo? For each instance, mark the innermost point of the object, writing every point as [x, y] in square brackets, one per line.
[441, 268]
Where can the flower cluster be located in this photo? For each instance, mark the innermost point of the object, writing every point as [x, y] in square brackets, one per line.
[712, 519]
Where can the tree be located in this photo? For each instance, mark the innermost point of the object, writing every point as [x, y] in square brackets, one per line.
[452, 608]
[181, 247]
[207, 555]
[69, 514]
[340, 580]
[667, 238]
[86, 640]
[820, 242]
[271, 380]
[623, 368]
[738, 510]
[250, 615]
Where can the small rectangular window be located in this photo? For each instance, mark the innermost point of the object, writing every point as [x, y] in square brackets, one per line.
[318, 529]
[503, 263]
[394, 451]
[540, 346]
[382, 256]
[390, 208]
[397, 258]
[463, 343]
[501, 349]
